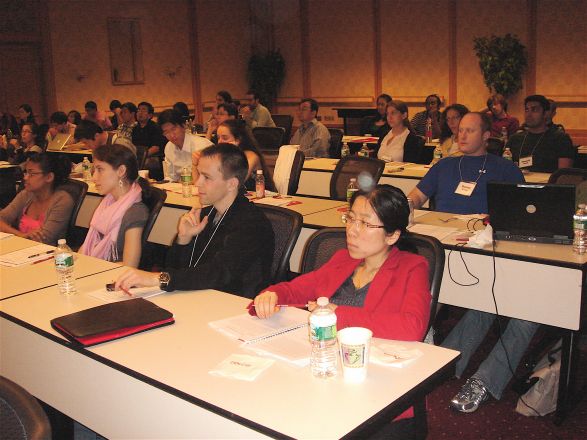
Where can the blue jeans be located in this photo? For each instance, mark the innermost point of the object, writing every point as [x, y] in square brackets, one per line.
[495, 371]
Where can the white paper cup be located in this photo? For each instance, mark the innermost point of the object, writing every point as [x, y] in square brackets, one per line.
[354, 343]
[144, 174]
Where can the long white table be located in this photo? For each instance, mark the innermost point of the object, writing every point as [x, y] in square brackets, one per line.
[157, 384]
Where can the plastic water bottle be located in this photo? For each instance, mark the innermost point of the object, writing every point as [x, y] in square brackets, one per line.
[324, 357]
[345, 150]
[186, 182]
[504, 135]
[580, 228]
[86, 169]
[351, 189]
[437, 155]
[428, 130]
[507, 154]
[64, 268]
[259, 184]
[364, 152]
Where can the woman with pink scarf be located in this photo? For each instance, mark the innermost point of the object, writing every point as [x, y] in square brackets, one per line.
[116, 228]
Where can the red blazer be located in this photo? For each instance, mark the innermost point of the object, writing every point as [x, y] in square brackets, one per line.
[397, 305]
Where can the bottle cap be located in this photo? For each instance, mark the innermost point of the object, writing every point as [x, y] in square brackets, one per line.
[61, 241]
[322, 301]
[353, 179]
[259, 171]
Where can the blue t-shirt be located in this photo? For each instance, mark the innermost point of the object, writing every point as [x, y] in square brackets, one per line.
[444, 177]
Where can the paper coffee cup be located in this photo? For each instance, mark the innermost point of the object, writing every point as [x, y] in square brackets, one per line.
[354, 344]
[144, 174]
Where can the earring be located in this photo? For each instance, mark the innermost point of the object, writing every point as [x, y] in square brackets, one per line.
[120, 183]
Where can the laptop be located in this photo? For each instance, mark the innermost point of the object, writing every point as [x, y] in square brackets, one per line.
[58, 142]
[538, 213]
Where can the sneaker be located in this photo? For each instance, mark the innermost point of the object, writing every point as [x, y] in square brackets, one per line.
[472, 394]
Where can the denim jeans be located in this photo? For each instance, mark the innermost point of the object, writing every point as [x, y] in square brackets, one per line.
[495, 371]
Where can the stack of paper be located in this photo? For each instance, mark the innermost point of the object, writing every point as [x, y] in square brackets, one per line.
[28, 255]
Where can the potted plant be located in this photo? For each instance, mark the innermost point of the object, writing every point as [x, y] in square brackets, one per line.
[265, 74]
[502, 61]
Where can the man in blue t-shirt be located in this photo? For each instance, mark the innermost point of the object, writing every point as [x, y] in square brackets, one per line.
[459, 185]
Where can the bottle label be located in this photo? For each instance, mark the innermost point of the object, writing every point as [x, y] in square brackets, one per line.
[323, 333]
[260, 190]
[349, 193]
[63, 260]
[186, 178]
[580, 224]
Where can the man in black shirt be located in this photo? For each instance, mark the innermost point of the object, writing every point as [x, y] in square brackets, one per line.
[147, 134]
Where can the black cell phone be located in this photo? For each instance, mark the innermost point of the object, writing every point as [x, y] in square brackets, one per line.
[110, 287]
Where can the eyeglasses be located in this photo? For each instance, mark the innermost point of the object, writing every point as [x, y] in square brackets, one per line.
[349, 221]
[32, 173]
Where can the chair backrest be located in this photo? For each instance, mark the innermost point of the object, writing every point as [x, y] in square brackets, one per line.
[21, 416]
[154, 205]
[336, 135]
[431, 249]
[141, 155]
[286, 225]
[285, 122]
[495, 146]
[570, 176]
[269, 138]
[77, 190]
[349, 167]
[321, 246]
[295, 171]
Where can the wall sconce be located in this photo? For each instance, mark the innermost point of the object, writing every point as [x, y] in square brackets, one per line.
[82, 75]
[172, 72]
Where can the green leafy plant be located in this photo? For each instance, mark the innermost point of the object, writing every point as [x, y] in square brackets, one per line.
[502, 61]
[265, 74]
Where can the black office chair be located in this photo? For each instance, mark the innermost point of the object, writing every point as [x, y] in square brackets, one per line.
[141, 156]
[21, 416]
[286, 225]
[336, 135]
[570, 176]
[349, 167]
[154, 204]
[495, 146]
[321, 246]
[269, 138]
[285, 122]
[9, 180]
[77, 190]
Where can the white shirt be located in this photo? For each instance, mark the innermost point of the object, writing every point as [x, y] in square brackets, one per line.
[176, 159]
[392, 147]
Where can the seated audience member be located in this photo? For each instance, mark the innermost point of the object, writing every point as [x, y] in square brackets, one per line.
[116, 227]
[459, 184]
[539, 147]
[237, 133]
[8, 124]
[449, 137]
[400, 144]
[183, 110]
[224, 112]
[312, 136]
[370, 284]
[25, 116]
[74, 117]
[498, 107]
[41, 211]
[377, 125]
[89, 135]
[58, 124]
[550, 114]
[222, 97]
[226, 246]
[432, 111]
[93, 115]
[148, 134]
[127, 120]
[254, 113]
[181, 145]
[16, 152]
[115, 108]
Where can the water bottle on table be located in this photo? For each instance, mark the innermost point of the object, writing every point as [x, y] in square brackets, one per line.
[580, 228]
[324, 358]
[186, 182]
[86, 169]
[507, 154]
[364, 152]
[345, 150]
[64, 268]
[351, 189]
[259, 184]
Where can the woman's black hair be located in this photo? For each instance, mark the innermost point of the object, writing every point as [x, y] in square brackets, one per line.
[390, 204]
[445, 131]
[27, 108]
[225, 95]
[247, 142]
[182, 109]
[118, 155]
[387, 99]
[77, 117]
[58, 164]
[230, 108]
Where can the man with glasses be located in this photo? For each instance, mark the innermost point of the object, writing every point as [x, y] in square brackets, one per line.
[432, 112]
[181, 145]
[313, 137]
[147, 134]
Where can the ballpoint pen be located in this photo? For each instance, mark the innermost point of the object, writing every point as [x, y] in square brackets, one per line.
[41, 253]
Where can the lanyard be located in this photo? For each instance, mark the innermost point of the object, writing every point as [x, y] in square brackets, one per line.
[211, 237]
[481, 171]
[535, 146]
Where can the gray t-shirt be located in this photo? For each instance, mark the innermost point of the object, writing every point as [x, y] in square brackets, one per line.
[135, 217]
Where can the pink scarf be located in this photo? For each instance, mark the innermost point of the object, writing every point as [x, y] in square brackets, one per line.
[105, 225]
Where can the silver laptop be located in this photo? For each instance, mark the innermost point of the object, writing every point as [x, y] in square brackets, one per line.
[58, 142]
[540, 213]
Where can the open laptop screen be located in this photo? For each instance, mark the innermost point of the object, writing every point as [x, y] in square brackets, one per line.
[531, 212]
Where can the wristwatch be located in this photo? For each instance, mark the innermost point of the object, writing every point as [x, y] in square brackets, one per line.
[164, 278]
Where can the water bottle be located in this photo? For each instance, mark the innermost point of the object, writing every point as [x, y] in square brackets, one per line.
[507, 154]
[428, 130]
[86, 169]
[259, 184]
[580, 228]
[324, 358]
[364, 152]
[411, 216]
[186, 182]
[351, 189]
[437, 155]
[64, 268]
[345, 150]
[504, 135]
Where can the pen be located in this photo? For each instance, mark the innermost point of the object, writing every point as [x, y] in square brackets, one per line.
[42, 253]
[287, 305]
[125, 291]
[44, 259]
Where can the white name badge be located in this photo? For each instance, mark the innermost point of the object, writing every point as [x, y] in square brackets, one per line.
[466, 188]
[525, 162]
